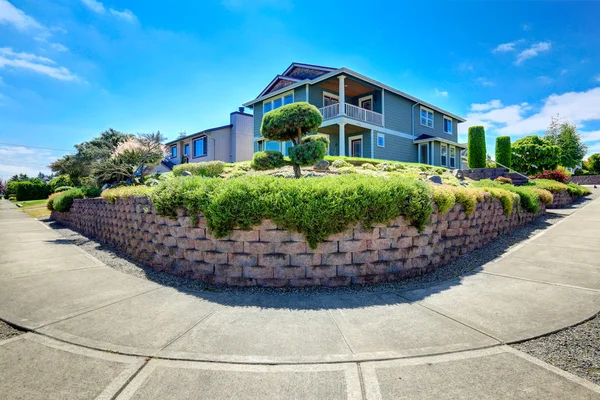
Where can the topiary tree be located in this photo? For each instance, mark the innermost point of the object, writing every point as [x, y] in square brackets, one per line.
[532, 155]
[503, 152]
[476, 147]
[290, 123]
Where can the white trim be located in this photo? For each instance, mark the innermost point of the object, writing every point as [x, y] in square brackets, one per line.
[432, 117]
[383, 106]
[366, 125]
[278, 77]
[372, 144]
[272, 100]
[453, 158]
[444, 124]
[369, 97]
[442, 140]
[333, 96]
[444, 146]
[307, 93]
[383, 136]
[427, 147]
[350, 139]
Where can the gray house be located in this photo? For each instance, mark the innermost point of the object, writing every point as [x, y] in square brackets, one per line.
[228, 143]
[363, 117]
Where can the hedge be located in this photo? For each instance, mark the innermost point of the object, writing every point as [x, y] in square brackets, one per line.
[208, 168]
[63, 200]
[269, 159]
[529, 197]
[503, 151]
[30, 190]
[477, 152]
[62, 189]
[125, 192]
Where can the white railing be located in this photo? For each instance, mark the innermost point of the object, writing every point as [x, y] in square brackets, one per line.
[351, 111]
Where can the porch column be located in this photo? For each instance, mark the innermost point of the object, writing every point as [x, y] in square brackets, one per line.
[342, 94]
[342, 139]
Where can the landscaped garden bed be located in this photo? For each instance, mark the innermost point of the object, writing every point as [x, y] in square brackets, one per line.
[376, 222]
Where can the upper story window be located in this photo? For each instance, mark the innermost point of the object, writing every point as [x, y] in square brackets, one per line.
[329, 99]
[426, 117]
[283, 100]
[448, 125]
[380, 139]
[444, 154]
[173, 151]
[200, 147]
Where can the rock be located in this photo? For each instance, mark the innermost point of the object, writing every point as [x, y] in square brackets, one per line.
[186, 173]
[424, 174]
[458, 174]
[435, 179]
[322, 165]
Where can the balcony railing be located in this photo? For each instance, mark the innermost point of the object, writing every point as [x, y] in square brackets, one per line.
[354, 112]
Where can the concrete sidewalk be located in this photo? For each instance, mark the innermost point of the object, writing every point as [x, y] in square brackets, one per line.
[445, 340]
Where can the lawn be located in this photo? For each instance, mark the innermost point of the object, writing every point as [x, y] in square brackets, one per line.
[34, 208]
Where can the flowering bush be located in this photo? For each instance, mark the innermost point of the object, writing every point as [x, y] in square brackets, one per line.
[556, 175]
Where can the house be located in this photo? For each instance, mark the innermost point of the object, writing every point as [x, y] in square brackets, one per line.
[228, 143]
[363, 117]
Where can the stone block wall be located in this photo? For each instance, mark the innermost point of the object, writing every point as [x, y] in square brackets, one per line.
[586, 179]
[270, 256]
[478, 174]
[562, 199]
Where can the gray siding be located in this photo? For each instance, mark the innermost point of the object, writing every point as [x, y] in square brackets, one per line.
[300, 94]
[438, 126]
[397, 113]
[315, 94]
[366, 142]
[396, 148]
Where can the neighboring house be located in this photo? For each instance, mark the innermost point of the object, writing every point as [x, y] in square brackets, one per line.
[373, 121]
[229, 143]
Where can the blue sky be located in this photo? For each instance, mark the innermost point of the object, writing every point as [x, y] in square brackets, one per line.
[70, 69]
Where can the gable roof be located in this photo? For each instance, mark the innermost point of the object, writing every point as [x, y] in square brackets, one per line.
[277, 79]
[297, 72]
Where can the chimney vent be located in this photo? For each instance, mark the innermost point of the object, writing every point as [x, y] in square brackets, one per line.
[241, 109]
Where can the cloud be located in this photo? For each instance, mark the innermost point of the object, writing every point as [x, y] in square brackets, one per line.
[485, 82]
[526, 27]
[441, 93]
[32, 62]
[99, 8]
[492, 104]
[597, 78]
[95, 6]
[533, 51]
[546, 80]
[11, 15]
[465, 66]
[514, 119]
[506, 47]
[564, 71]
[58, 47]
[240, 5]
[126, 15]
[590, 136]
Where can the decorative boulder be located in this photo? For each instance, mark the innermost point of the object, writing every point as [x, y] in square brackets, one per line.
[435, 179]
[458, 174]
[322, 165]
[186, 173]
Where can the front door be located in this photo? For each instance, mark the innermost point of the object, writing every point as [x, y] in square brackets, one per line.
[424, 153]
[356, 147]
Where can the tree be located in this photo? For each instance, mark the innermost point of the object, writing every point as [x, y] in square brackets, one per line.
[131, 160]
[290, 123]
[503, 152]
[2, 187]
[476, 147]
[19, 178]
[593, 163]
[532, 155]
[565, 135]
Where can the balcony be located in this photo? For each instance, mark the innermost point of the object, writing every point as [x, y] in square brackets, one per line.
[352, 111]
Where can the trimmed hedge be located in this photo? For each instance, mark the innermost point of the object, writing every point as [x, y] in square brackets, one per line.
[528, 197]
[269, 159]
[30, 190]
[60, 181]
[577, 190]
[62, 189]
[550, 185]
[503, 151]
[125, 192]
[477, 152]
[308, 152]
[208, 168]
[63, 201]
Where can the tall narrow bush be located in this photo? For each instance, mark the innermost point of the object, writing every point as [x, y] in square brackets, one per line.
[476, 147]
[503, 151]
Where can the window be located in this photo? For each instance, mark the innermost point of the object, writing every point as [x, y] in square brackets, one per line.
[173, 151]
[269, 145]
[366, 102]
[200, 147]
[380, 139]
[426, 117]
[444, 154]
[277, 102]
[186, 150]
[329, 99]
[452, 157]
[447, 125]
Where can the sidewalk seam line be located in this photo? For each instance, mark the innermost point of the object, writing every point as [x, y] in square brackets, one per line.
[563, 285]
[337, 326]
[131, 378]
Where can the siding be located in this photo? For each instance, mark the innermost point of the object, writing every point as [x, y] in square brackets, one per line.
[300, 94]
[396, 148]
[397, 113]
[438, 126]
[315, 94]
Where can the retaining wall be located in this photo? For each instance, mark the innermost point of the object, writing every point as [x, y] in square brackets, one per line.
[269, 256]
[586, 179]
[561, 199]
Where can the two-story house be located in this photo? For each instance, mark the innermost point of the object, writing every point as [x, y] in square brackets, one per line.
[228, 143]
[363, 117]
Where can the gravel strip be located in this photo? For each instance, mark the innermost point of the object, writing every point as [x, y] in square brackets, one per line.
[464, 265]
[7, 331]
[575, 350]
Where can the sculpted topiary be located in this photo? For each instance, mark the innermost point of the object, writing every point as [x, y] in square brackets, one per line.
[290, 123]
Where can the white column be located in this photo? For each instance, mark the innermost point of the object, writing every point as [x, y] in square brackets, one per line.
[342, 139]
[342, 94]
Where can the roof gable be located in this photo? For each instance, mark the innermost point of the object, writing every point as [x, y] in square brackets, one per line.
[279, 82]
[306, 71]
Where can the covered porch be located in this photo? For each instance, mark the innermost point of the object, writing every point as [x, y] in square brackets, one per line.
[348, 140]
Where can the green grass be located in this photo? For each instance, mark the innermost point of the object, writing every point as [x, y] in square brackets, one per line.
[32, 203]
[358, 161]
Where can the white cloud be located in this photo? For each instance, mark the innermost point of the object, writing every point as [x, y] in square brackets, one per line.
[506, 47]
[11, 15]
[99, 8]
[240, 5]
[95, 6]
[126, 15]
[32, 62]
[526, 27]
[546, 80]
[485, 82]
[597, 78]
[533, 51]
[590, 136]
[59, 47]
[490, 105]
[441, 93]
[564, 71]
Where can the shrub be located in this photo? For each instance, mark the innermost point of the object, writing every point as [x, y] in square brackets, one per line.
[27, 190]
[316, 138]
[208, 168]
[369, 167]
[50, 202]
[503, 151]
[62, 189]
[125, 192]
[550, 185]
[545, 196]
[347, 170]
[60, 181]
[533, 154]
[503, 180]
[506, 198]
[477, 152]
[527, 196]
[340, 164]
[467, 197]
[557, 175]
[577, 190]
[307, 153]
[268, 159]
[91, 191]
[63, 201]
[444, 198]
[12, 198]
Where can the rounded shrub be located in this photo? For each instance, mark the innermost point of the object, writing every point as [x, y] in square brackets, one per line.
[290, 121]
[503, 151]
[207, 168]
[532, 154]
[62, 189]
[269, 159]
[340, 164]
[369, 167]
[316, 138]
[503, 180]
[308, 153]
[476, 147]
[63, 201]
[60, 181]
